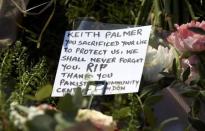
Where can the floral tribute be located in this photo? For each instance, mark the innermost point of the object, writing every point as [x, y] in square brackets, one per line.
[186, 40]
[172, 89]
[189, 41]
[176, 68]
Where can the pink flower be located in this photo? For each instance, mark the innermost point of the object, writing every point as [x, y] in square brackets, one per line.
[191, 63]
[185, 40]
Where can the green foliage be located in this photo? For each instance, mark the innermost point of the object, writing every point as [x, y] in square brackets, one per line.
[165, 13]
[66, 105]
[44, 92]
[122, 113]
[69, 105]
[47, 123]
[102, 10]
[186, 74]
[162, 14]
[10, 59]
[18, 76]
[136, 111]
[197, 123]
[30, 80]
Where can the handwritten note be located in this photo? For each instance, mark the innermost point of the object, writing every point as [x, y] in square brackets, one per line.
[113, 57]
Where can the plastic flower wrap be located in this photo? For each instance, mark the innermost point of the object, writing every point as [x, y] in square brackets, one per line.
[10, 15]
[185, 40]
[157, 60]
[101, 121]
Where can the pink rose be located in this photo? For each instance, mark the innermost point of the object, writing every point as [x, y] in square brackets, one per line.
[185, 40]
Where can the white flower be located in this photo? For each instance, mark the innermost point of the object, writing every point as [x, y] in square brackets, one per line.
[157, 60]
[17, 119]
[33, 111]
[20, 114]
[100, 120]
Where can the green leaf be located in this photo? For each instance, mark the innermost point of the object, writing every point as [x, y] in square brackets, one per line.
[149, 115]
[67, 106]
[30, 97]
[166, 74]
[2, 99]
[148, 90]
[191, 11]
[122, 113]
[202, 93]
[190, 93]
[166, 81]
[78, 97]
[188, 128]
[197, 124]
[176, 65]
[196, 107]
[62, 123]
[186, 74]
[151, 100]
[44, 92]
[201, 68]
[41, 123]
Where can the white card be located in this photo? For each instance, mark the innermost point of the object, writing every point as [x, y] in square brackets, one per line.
[114, 57]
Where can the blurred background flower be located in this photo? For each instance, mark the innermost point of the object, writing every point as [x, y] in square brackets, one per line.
[157, 60]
